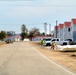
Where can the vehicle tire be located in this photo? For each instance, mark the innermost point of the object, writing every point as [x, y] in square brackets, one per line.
[48, 44]
[64, 43]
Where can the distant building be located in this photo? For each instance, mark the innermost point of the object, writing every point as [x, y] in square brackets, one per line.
[39, 38]
[56, 32]
[66, 30]
[16, 37]
[73, 29]
[61, 31]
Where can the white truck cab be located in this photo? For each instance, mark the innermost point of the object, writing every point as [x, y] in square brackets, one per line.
[58, 42]
[48, 41]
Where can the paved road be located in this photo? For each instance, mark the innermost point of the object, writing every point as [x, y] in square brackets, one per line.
[22, 59]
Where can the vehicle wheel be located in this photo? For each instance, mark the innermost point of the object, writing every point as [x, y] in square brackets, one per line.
[48, 44]
[64, 43]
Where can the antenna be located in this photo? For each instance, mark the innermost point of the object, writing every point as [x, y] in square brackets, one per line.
[45, 28]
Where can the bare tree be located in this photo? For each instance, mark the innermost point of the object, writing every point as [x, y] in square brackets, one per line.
[34, 32]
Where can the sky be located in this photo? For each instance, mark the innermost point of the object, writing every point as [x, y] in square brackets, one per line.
[34, 13]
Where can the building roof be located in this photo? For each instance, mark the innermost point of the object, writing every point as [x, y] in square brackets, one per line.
[16, 36]
[67, 24]
[8, 37]
[74, 21]
[56, 27]
[61, 25]
[41, 37]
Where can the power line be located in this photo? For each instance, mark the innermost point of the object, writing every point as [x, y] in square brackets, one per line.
[17, 0]
[24, 23]
[38, 5]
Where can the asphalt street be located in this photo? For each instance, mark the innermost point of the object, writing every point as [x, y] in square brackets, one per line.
[20, 58]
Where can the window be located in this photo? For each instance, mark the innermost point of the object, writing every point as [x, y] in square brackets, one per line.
[68, 29]
[53, 40]
[48, 39]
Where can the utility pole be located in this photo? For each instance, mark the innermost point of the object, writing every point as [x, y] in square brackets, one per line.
[56, 28]
[49, 28]
[45, 28]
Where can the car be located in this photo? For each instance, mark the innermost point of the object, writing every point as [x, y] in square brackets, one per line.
[9, 41]
[71, 42]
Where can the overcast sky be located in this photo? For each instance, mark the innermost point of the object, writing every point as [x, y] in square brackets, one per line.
[34, 13]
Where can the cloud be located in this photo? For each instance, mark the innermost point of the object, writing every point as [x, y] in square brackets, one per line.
[59, 2]
[34, 10]
[26, 12]
[38, 11]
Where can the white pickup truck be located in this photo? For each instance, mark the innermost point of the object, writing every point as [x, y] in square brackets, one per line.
[48, 41]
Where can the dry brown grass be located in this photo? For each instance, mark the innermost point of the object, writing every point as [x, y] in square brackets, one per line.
[2, 43]
[63, 58]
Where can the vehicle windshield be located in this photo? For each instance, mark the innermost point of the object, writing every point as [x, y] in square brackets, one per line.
[68, 39]
[65, 40]
[47, 39]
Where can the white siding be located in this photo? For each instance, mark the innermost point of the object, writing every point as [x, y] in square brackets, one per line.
[61, 34]
[65, 30]
[67, 33]
[73, 28]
